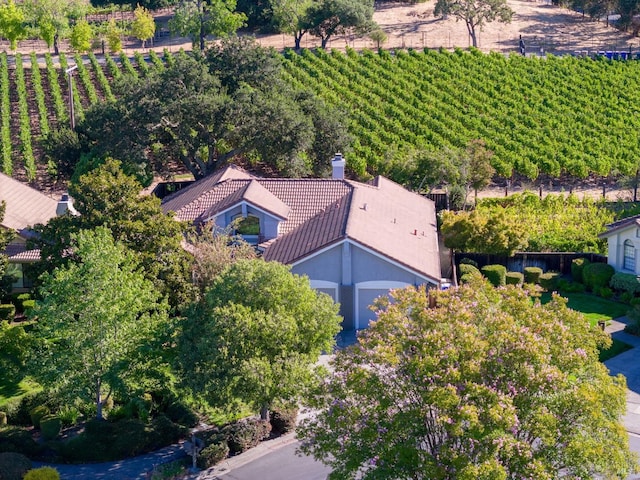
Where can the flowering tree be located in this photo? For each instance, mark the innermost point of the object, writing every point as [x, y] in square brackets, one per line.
[488, 384]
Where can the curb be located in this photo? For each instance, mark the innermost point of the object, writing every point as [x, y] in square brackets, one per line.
[226, 466]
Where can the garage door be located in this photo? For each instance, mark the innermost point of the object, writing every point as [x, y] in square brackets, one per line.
[366, 293]
[330, 288]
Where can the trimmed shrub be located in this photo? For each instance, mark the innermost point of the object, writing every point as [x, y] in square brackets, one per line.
[570, 287]
[625, 297]
[37, 413]
[42, 473]
[283, 420]
[50, 425]
[466, 269]
[19, 301]
[597, 275]
[634, 301]
[532, 274]
[468, 278]
[514, 278]
[212, 454]
[13, 466]
[605, 292]
[163, 432]
[246, 434]
[3, 419]
[7, 311]
[69, 416]
[577, 267]
[178, 412]
[496, 274]
[28, 305]
[549, 280]
[625, 282]
[19, 412]
[18, 440]
[468, 261]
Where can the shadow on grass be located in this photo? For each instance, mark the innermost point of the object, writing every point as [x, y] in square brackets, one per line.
[13, 387]
[594, 308]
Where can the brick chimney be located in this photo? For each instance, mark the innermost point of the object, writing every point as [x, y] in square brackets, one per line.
[337, 165]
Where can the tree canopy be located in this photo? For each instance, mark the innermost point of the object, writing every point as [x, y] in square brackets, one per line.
[197, 19]
[256, 336]
[183, 113]
[107, 197]
[486, 384]
[143, 26]
[93, 315]
[475, 13]
[12, 23]
[329, 17]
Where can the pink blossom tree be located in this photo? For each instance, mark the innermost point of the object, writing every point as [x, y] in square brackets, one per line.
[472, 383]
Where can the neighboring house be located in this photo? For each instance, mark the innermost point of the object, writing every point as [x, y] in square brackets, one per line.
[623, 239]
[355, 241]
[25, 207]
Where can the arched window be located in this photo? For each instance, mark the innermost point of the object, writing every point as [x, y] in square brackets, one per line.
[249, 225]
[629, 256]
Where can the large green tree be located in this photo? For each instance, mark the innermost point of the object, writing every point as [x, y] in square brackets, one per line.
[197, 19]
[330, 17]
[12, 23]
[143, 26]
[183, 114]
[291, 16]
[106, 196]
[256, 336]
[52, 18]
[472, 383]
[94, 316]
[475, 13]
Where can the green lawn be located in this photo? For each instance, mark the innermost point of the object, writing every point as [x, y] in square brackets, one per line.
[596, 309]
[11, 388]
[593, 307]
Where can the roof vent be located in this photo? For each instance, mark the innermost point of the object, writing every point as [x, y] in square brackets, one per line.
[338, 163]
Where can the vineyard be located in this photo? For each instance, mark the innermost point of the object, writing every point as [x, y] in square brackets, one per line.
[553, 115]
[34, 96]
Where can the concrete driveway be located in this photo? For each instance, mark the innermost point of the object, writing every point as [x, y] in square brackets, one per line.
[628, 364]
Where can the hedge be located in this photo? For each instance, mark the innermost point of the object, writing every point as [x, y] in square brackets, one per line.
[496, 274]
[283, 420]
[532, 274]
[597, 275]
[13, 466]
[50, 425]
[37, 413]
[625, 282]
[549, 280]
[42, 473]
[7, 311]
[246, 434]
[212, 454]
[514, 278]
[468, 269]
[577, 268]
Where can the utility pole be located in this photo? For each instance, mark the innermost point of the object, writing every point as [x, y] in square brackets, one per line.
[72, 117]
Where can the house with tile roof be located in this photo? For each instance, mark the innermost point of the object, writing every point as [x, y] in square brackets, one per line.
[355, 241]
[25, 207]
[623, 242]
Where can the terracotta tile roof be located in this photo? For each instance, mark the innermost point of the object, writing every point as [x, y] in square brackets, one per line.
[621, 225]
[323, 229]
[381, 215]
[25, 205]
[18, 253]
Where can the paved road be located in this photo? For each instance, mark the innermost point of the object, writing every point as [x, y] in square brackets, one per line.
[282, 464]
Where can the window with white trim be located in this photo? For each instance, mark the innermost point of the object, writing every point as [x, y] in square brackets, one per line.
[629, 256]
